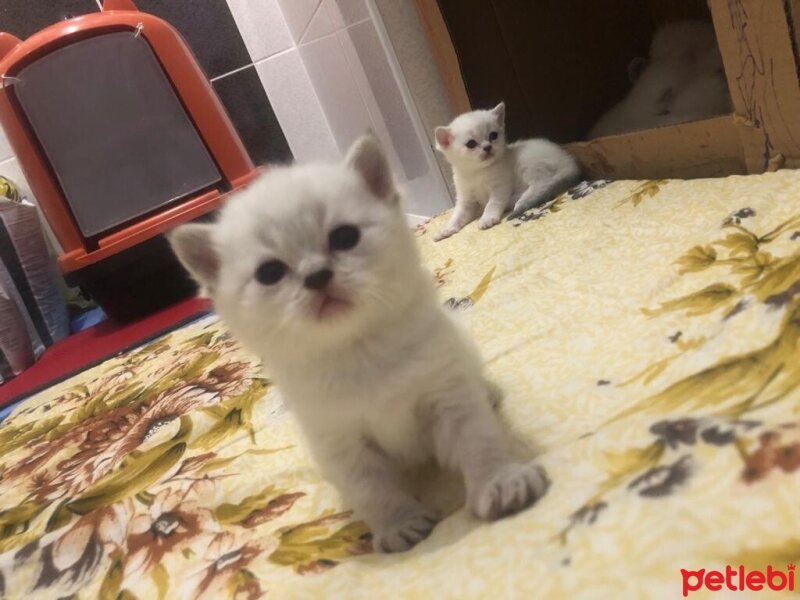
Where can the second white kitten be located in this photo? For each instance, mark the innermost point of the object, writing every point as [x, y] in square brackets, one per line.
[493, 177]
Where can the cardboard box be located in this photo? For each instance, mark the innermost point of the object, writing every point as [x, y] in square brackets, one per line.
[560, 65]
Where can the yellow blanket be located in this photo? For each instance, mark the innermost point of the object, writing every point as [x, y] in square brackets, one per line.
[647, 335]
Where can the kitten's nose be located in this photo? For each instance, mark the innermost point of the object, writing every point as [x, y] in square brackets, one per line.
[487, 148]
[318, 280]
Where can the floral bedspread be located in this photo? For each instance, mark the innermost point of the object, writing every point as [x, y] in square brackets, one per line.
[647, 336]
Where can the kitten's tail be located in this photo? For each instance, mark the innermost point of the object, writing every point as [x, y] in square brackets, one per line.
[546, 188]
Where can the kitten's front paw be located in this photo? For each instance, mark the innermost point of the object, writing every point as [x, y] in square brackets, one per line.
[488, 222]
[444, 234]
[406, 532]
[513, 488]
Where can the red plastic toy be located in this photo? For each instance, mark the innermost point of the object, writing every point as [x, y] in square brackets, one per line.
[194, 93]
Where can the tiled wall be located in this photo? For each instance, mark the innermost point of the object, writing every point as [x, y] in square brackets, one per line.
[299, 78]
[330, 76]
[417, 60]
[214, 37]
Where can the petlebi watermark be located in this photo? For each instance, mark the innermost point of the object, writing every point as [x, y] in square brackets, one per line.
[739, 579]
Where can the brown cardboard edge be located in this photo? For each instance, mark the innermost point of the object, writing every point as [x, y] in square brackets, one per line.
[793, 7]
[756, 40]
[444, 54]
[707, 148]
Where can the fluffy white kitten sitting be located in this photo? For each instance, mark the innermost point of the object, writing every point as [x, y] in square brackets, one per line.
[494, 177]
[315, 270]
[684, 80]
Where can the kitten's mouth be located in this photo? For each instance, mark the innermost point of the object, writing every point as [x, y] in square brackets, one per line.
[329, 307]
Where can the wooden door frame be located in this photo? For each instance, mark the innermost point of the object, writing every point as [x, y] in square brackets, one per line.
[444, 54]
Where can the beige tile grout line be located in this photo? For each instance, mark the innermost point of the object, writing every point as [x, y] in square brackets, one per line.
[236, 70]
[308, 25]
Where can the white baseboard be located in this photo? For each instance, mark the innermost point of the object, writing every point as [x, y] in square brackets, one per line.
[414, 220]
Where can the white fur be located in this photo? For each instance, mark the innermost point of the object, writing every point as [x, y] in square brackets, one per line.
[384, 386]
[494, 177]
[684, 81]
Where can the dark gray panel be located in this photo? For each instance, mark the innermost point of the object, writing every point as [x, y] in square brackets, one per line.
[23, 18]
[208, 28]
[113, 129]
[252, 115]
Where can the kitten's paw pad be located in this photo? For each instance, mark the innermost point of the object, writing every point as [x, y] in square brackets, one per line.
[444, 234]
[488, 222]
[406, 532]
[513, 488]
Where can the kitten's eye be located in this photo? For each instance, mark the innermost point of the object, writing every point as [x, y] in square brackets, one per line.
[270, 272]
[472, 144]
[344, 237]
[493, 136]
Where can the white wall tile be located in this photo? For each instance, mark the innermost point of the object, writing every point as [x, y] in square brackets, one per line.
[426, 196]
[378, 124]
[352, 11]
[380, 79]
[296, 106]
[262, 26]
[298, 15]
[321, 25]
[334, 14]
[336, 89]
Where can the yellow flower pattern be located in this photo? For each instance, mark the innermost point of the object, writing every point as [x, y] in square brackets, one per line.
[647, 339]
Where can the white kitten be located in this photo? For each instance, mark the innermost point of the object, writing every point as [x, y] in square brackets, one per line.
[315, 270]
[493, 176]
[683, 81]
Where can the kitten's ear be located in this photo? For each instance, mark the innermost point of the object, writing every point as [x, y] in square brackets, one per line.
[443, 138]
[499, 111]
[194, 247]
[366, 158]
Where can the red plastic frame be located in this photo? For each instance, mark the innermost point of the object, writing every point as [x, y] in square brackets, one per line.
[190, 84]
